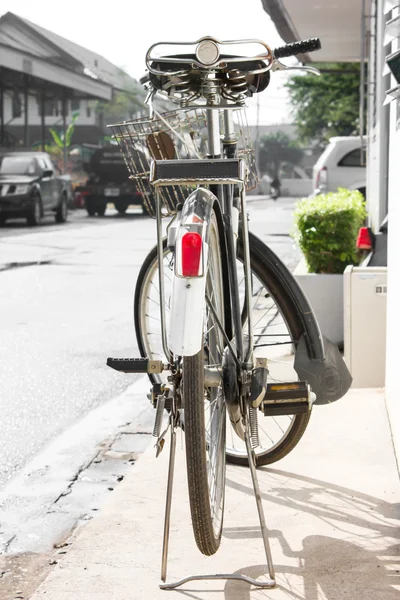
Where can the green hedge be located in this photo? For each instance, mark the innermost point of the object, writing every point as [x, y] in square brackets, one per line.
[326, 229]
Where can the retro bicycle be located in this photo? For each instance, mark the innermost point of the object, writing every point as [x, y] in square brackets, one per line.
[228, 339]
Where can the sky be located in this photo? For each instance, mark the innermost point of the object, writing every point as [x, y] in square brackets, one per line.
[122, 32]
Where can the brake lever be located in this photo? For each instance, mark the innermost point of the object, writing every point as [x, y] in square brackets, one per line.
[278, 66]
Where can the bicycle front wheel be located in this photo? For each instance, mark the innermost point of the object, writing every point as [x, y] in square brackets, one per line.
[205, 414]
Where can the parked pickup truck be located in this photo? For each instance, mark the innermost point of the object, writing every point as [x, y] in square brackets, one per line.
[30, 188]
[107, 183]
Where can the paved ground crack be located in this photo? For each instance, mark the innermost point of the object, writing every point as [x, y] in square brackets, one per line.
[83, 468]
[8, 544]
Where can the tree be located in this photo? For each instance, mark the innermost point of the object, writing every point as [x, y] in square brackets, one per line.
[276, 149]
[126, 101]
[328, 105]
[63, 139]
[123, 106]
[58, 150]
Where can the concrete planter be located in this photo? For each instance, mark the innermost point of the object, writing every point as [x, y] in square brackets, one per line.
[325, 294]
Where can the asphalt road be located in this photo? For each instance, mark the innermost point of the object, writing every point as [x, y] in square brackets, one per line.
[66, 299]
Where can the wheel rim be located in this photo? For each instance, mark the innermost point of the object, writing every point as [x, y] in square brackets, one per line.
[268, 324]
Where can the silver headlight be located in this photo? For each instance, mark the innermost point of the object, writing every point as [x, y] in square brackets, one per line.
[22, 189]
[207, 52]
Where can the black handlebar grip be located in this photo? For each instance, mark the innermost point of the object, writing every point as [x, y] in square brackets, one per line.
[145, 78]
[302, 47]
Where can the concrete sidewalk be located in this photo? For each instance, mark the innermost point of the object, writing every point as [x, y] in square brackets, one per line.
[332, 507]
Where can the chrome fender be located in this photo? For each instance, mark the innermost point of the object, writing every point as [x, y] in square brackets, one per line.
[188, 293]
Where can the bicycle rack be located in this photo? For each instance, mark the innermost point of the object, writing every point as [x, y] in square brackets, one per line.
[268, 583]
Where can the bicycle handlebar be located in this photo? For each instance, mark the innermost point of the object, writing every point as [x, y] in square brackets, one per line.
[302, 47]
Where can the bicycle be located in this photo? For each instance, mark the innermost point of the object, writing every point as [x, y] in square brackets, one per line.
[230, 300]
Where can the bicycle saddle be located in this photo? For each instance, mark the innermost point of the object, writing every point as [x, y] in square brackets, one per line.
[192, 77]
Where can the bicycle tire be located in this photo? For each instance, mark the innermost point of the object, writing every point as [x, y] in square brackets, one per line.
[205, 442]
[283, 298]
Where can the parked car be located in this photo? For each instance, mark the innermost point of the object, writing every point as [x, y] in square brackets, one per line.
[107, 182]
[30, 188]
[342, 164]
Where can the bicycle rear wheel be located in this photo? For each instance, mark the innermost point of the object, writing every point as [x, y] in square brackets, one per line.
[205, 414]
[276, 323]
[205, 456]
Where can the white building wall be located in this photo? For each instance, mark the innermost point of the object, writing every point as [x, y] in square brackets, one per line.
[378, 120]
[393, 300]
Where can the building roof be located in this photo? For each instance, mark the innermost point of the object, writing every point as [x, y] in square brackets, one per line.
[21, 36]
[94, 65]
[336, 22]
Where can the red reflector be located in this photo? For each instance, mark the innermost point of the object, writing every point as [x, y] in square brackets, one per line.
[364, 240]
[191, 254]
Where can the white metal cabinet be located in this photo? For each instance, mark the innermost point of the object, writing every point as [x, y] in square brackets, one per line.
[365, 290]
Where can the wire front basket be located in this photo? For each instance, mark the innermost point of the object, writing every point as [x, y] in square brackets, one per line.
[180, 134]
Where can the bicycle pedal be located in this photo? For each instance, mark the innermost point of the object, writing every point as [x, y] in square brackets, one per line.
[291, 398]
[135, 365]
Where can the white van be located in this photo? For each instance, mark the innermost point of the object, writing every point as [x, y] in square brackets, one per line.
[342, 164]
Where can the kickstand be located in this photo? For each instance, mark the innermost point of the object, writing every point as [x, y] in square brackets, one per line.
[268, 583]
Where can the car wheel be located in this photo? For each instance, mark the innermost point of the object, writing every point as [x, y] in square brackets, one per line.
[363, 191]
[2, 220]
[101, 210]
[90, 207]
[121, 207]
[62, 210]
[35, 215]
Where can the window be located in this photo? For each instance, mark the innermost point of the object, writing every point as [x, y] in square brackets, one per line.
[51, 108]
[75, 105]
[17, 165]
[16, 105]
[41, 163]
[49, 164]
[352, 159]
